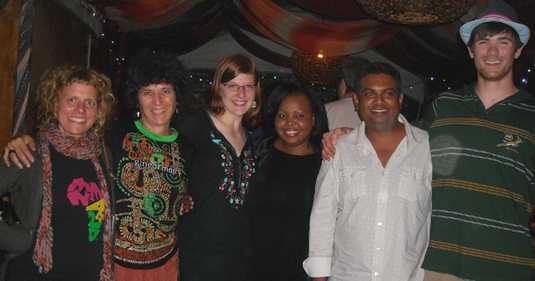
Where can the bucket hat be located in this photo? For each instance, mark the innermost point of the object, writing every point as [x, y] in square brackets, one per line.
[496, 11]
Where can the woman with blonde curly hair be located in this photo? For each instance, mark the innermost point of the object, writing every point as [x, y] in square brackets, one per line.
[63, 199]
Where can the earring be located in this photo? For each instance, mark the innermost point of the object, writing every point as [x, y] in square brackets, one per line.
[253, 106]
[138, 114]
[176, 108]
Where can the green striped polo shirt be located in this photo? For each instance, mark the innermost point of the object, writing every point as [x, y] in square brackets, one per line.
[483, 186]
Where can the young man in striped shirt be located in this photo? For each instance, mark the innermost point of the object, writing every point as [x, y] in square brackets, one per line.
[482, 147]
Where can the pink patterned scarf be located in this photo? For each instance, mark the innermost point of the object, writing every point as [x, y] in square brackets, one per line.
[84, 148]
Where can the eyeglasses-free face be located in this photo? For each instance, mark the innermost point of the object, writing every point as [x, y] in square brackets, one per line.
[293, 123]
[76, 109]
[378, 102]
[157, 103]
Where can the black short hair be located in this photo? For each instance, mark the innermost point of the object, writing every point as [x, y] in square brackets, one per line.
[490, 29]
[278, 93]
[377, 68]
[153, 67]
[350, 70]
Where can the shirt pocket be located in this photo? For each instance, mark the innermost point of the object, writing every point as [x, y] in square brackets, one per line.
[353, 182]
[413, 184]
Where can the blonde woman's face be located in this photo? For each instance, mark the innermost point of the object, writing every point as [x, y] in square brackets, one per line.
[76, 109]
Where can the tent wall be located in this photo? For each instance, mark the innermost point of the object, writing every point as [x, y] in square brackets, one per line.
[208, 55]
[9, 34]
[59, 37]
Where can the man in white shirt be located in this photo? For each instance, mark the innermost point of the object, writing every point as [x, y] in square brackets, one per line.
[371, 213]
[341, 112]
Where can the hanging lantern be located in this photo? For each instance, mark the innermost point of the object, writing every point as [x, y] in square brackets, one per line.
[416, 12]
[316, 68]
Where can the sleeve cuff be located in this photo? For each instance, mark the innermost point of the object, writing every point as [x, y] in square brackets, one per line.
[317, 266]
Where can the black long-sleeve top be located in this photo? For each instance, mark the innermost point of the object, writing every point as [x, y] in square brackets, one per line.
[280, 205]
[218, 182]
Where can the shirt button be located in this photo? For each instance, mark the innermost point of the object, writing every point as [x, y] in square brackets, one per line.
[376, 273]
[378, 249]
[380, 224]
[383, 197]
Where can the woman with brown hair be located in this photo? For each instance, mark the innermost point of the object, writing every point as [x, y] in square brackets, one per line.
[215, 238]
[64, 199]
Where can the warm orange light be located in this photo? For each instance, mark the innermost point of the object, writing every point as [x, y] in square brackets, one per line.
[320, 55]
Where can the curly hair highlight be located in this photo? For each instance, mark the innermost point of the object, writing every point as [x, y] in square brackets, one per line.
[152, 67]
[55, 79]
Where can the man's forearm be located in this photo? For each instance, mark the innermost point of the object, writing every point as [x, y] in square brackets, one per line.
[320, 279]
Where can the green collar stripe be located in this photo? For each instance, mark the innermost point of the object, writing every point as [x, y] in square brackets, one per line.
[156, 137]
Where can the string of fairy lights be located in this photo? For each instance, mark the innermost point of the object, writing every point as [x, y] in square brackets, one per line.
[199, 82]
[435, 83]
[523, 76]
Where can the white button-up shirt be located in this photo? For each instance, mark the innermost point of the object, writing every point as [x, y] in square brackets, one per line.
[371, 222]
[341, 113]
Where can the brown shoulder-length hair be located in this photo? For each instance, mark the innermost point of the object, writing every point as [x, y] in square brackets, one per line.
[227, 69]
[55, 79]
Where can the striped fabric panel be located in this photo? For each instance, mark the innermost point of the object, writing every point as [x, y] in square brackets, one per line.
[483, 188]
[22, 90]
[450, 96]
[456, 97]
[481, 221]
[481, 154]
[521, 106]
[483, 254]
[472, 121]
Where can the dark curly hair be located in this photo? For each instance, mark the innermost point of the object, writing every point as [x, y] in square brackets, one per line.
[281, 90]
[152, 67]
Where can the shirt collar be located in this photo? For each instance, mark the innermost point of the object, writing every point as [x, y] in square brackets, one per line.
[518, 96]
[361, 140]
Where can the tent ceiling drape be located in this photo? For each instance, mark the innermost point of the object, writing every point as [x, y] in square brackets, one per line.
[332, 27]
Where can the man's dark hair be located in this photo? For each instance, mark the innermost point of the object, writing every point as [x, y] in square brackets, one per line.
[153, 67]
[488, 29]
[349, 70]
[377, 68]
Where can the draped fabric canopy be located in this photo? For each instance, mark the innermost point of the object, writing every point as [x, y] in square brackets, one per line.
[313, 35]
[334, 28]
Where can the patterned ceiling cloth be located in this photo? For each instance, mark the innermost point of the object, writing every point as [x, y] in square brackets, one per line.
[339, 9]
[143, 14]
[309, 34]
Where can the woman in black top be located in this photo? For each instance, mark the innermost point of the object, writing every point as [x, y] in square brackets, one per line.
[283, 188]
[214, 238]
[64, 198]
[149, 175]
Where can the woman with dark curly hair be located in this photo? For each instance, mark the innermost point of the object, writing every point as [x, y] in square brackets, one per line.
[281, 198]
[150, 177]
[64, 199]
